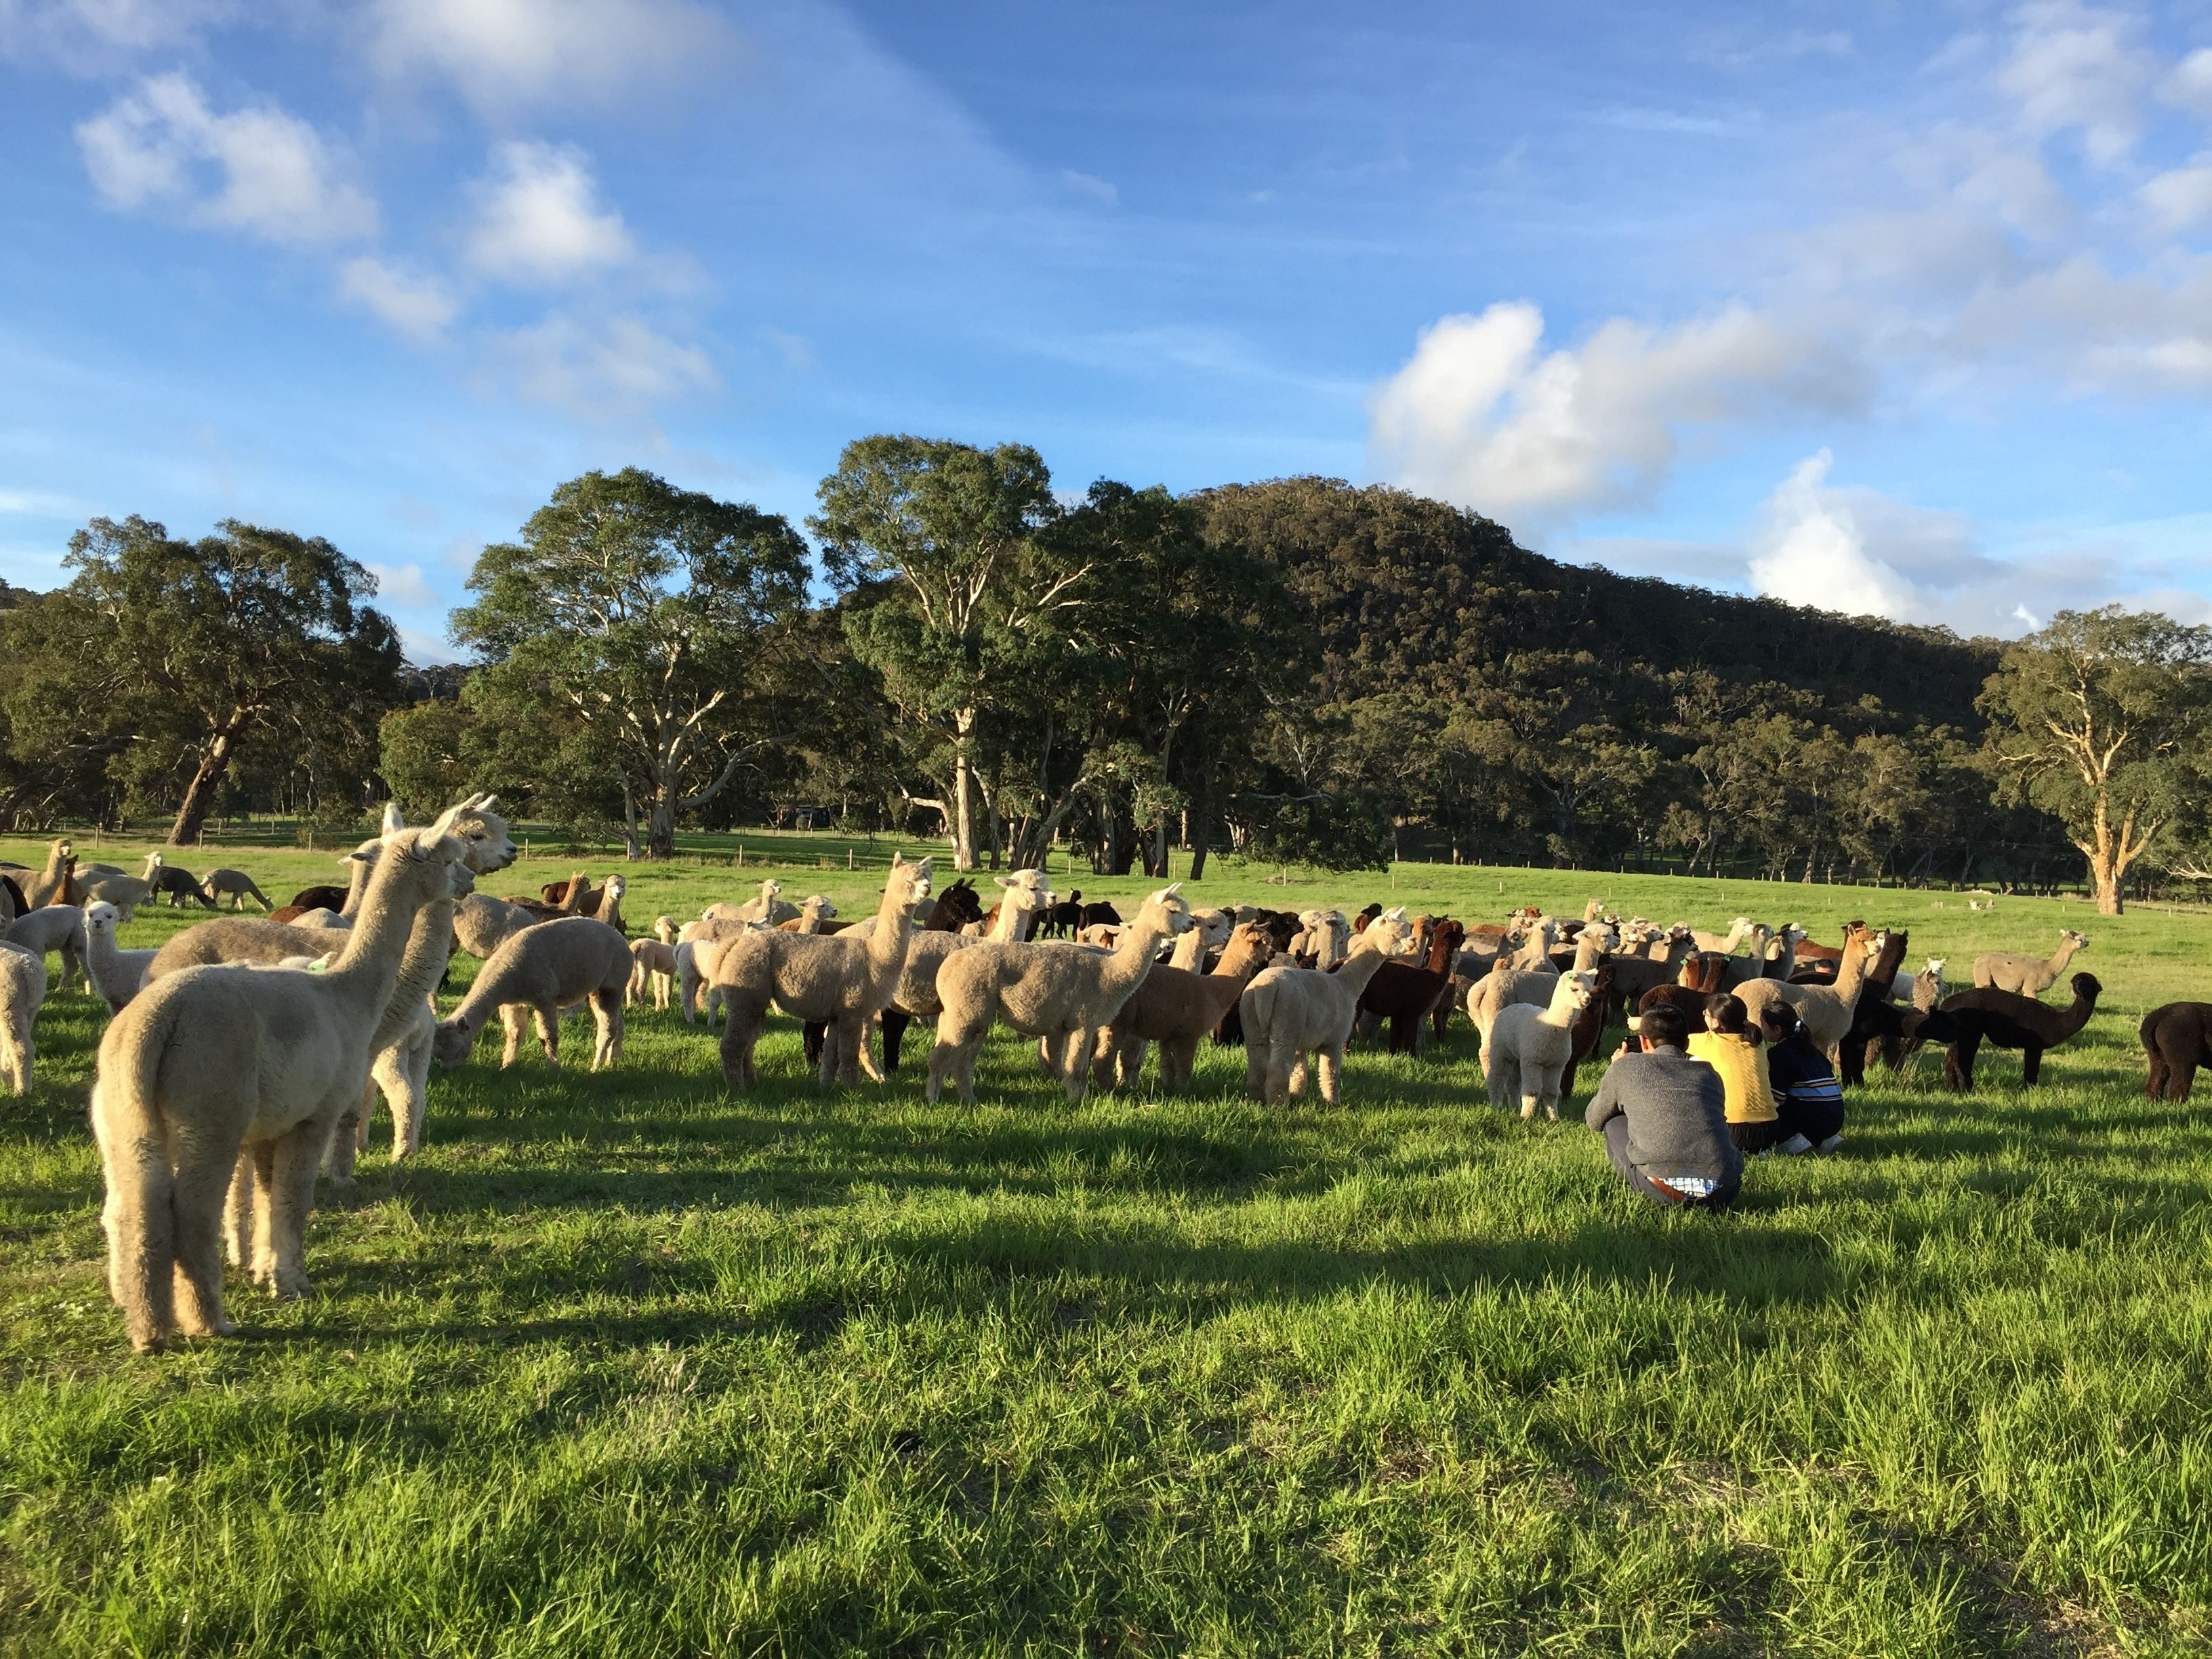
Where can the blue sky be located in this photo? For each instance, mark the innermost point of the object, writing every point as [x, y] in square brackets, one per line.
[1903, 309]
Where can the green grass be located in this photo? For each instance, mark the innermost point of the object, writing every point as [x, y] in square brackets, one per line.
[627, 1365]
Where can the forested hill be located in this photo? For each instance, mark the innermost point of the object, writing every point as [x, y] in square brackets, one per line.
[1411, 594]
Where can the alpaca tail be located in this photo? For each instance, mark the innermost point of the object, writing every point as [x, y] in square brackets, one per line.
[2147, 1032]
[140, 1215]
[1257, 1006]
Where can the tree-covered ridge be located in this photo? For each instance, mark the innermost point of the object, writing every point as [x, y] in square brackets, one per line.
[1296, 671]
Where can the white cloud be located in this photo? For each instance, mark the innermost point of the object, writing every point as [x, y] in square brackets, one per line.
[539, 221]
[620, 366]
[416, 306]
[405, 585]
[89, 35]
[502, 54]
[2191, 83]
[2180, 198]
[261, 170]
[1858, 552]
[2076, 68]
[1084, 184]
[1480, 415]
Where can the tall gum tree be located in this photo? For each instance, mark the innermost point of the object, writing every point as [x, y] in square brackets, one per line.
[949, 536]
[2100, 718]
[661, 620]
[178, 653]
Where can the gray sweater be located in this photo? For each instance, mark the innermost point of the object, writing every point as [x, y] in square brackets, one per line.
[1677, 1115]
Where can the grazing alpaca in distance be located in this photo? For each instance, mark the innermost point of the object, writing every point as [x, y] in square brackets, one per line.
[1291, 1014]
[2176, 1039]
[2008, 1020]
[843, 979]
[236, 886]
[175, 883]
[1528, 1048]
[1062, 992]
[2027, 977]
[206, 1062]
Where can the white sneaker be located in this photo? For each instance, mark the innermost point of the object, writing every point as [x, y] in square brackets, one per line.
[1834, 1143]
[1794, 1145]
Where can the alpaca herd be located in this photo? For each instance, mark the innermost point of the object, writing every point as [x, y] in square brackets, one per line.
[247, 1054]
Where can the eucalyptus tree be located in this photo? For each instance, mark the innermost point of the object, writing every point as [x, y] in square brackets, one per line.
[2101, 719]
[660, 623]
[169, 657]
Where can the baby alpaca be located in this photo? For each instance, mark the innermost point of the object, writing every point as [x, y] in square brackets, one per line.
[22, 988]
[1062, 992]
[115, 976]
[1290, 1014]
[534, 975]
[1528, 1048]
[653, 971]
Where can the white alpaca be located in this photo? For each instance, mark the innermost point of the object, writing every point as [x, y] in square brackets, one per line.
[768, 907]
[652, 973]
[22, 988]
[1291, 1013]
[208, 1061]
[841, 981]
[1528, 1048]
[51, 929]
[1062, 992]
[541, 970]
[115, 976]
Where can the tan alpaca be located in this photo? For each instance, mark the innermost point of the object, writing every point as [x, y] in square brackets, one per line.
[541, 970]
[1062, 992]
[22, 988]
[1209, 931]
[768, 906]
[843, 979]
[1178, 1008]
[208, 1061]
[1527, 1050]
[2027, 977]
[483, 923]
[49, 885]
[1723, 944]
[235, 885]
[1291, 1013]
[652, 973]
[1826, 1009]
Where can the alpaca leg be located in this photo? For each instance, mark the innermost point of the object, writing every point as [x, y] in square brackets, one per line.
[413, 1065]
[511, 1021]
[2031, 1063]
[1082, 1045]
[1283, 1065]
[2181, 1078]
[2155, 1083]
[197, 1204]
[547, 1019]
[852, 1049]
[608, 1019]
[292, 1197]
[1256, 1069]
[348, 1135]
[895, 1022]
[687, 990]
[1494, 1077]
[238, 1209]
[1295, 1078]
[261, 1265]
[740, 1035]
[1328, 1067]
[139, 1221]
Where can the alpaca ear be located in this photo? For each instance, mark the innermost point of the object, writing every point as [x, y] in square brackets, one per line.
[1003, 881]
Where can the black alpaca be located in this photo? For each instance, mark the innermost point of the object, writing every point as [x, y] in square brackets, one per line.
[1970, 1019]
[2177, 1039]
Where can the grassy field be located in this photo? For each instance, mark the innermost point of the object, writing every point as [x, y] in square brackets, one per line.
[624, 1365]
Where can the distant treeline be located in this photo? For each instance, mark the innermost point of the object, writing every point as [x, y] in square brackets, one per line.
[1296, 671]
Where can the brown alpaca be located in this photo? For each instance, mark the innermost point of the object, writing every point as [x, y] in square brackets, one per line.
[2009, 1020]
[2177, 1039]
[1175, 1008]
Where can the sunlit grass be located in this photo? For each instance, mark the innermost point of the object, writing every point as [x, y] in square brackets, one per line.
[628, 1366]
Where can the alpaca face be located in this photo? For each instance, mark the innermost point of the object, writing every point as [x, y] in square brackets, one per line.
[100, 920]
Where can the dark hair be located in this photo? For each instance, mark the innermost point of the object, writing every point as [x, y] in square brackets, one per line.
[1780, 1020]
[1664, 1027]
[1726, 1010]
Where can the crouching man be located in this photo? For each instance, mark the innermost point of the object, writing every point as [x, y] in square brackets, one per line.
[1665, 1117]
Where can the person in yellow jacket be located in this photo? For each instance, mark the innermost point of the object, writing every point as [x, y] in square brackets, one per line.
[1728, 1045]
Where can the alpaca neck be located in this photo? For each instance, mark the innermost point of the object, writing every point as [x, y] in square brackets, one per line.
[1587, 949]
[369, 965]
[1786, 964]
[1139, 942]
[1852, 974]
[887, 939]
[1012, 925]
[1240, 959]
[422, 965]
[357, 888]
[1189, 950]
[2060, 958]
[2076, 1015]
[1440, 951]
[1366, 959]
